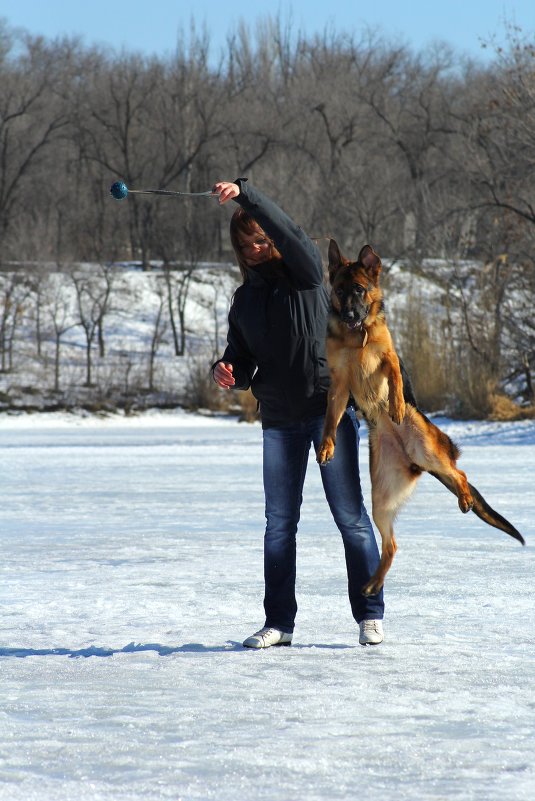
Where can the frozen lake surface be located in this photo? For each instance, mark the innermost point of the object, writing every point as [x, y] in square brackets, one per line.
[132, 570]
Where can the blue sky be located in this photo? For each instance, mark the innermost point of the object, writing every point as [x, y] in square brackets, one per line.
[152, 27]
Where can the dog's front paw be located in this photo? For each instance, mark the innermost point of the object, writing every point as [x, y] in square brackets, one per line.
[325, 452]
[397, 412]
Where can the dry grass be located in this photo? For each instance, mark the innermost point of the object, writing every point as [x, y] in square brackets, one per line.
[504, 409]
[424, 358]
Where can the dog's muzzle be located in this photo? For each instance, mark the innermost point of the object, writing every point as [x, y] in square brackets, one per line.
[352, 324]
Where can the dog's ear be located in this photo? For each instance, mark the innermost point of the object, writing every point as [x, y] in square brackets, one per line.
[335, 258]
[371, 262]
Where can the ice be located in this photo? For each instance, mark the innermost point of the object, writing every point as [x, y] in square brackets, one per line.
[132, 570]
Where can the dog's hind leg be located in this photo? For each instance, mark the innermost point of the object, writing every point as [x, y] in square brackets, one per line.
[393, 479]
[435, 452]
[455, 480]
[384, 523]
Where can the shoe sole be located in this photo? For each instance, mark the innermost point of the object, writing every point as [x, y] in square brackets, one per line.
[263, 647]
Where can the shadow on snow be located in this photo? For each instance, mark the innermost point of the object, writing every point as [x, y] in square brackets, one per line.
[132, 648]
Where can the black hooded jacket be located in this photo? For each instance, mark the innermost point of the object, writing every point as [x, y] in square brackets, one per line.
[278, 321]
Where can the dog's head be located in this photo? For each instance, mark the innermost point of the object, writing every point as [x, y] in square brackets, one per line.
[355, 290]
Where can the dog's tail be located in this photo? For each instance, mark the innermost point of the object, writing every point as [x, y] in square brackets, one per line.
[493, 518]
[485, 512]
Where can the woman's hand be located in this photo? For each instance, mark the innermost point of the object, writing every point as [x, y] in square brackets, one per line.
[223, 375]
[226, 191]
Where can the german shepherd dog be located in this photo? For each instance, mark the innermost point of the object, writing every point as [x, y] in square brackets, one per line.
[403, 443]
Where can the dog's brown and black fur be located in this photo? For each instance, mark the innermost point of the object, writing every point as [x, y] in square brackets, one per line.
[403, 443]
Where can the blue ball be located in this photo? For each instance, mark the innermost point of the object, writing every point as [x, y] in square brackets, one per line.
[119, 190]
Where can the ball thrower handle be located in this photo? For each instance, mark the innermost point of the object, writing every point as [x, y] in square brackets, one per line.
[168, 192]
[119, 191]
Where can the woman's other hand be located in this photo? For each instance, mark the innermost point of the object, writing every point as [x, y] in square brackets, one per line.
[223, 374]
[225, 190]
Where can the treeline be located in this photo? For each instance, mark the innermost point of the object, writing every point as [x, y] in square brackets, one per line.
[422, 155]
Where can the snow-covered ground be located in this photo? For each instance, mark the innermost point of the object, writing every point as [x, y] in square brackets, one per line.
[132, 569]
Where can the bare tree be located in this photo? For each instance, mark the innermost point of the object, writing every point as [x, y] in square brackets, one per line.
[159, 328]
[92, 299]
[32, 116]
[15, 290]
[57, 303]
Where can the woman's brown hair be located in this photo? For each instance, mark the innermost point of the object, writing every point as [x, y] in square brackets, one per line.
[242, 224]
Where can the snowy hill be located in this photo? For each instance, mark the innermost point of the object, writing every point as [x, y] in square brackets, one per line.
[136, 332]
[145, 318]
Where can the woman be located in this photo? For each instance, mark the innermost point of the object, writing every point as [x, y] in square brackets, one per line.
[277, 325]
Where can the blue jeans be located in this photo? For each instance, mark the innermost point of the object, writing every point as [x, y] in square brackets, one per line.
[286, 451]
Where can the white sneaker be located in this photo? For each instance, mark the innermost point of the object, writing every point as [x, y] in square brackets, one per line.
[267, 637]
[371, 632]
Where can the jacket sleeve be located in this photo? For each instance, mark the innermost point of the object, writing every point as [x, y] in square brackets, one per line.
[237, 354]
[301, 256]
